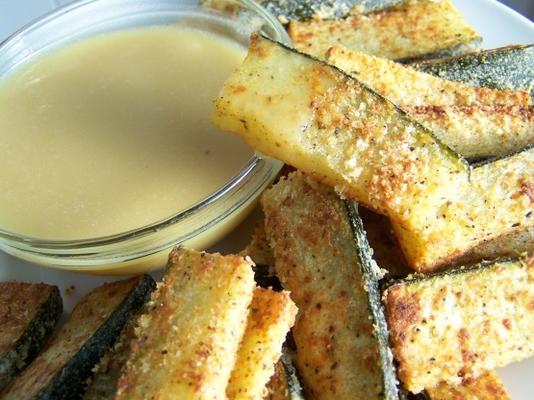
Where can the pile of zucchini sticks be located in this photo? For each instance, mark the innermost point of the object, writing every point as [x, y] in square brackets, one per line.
[394, 257]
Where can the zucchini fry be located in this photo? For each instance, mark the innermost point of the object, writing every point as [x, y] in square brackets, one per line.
[327, 124]
[322, 121]
[492, 215]
[457, 325]
[322, 257]
[28, 315]
[475, 122]
[410, 30]
[271, 315]
[186, 343]
[510, 67]
[61, 370]
[487, 386]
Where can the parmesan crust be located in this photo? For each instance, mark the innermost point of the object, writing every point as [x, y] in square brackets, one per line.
[186, 343]
[455, 326]
[487, 386]
[337, 353]
[278, 388]
[271, 315]
[327, 124]
[475, 122]
[410, 30]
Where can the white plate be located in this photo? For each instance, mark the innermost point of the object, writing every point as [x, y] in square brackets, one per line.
[495, 22]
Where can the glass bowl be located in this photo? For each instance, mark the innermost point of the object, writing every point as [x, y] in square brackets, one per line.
[198, 226]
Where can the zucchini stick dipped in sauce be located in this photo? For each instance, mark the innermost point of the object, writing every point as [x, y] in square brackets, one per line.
[410, 30]
[475, 122]
[186, 343]
[324, 122]
[322, 257]
[448, 327]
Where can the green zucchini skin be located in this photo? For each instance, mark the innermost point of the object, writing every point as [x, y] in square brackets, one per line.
[372, 279]
[510, 67]
[301, 10]
[28, 345]
[70, 381]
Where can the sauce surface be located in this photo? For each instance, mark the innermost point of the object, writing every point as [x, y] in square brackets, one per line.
[113, 133]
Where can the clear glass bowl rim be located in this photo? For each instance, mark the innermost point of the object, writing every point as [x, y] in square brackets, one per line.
[70, 248]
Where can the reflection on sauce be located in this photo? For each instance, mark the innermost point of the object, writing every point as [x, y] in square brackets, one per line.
[114, 132]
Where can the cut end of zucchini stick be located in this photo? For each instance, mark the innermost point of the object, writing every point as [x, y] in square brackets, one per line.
[456, 325]
[411, 30]
[271, 315]
[487, 386]
[186, 343]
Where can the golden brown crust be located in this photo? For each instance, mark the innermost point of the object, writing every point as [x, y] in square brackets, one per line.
[455, 326]
[186, 343]
[315, 258]
[475, 122]
[271, 315]
[277, 387]
[19, 303]
[488, 386]
[410, 30]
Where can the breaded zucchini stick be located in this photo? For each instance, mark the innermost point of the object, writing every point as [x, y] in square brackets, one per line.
[475, 122]
[327, 124]
[457, 325]
[186, 344]
[413, 29]
[340, 333]
[271, 315]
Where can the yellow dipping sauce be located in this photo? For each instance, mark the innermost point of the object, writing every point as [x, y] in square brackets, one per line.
[113, 133]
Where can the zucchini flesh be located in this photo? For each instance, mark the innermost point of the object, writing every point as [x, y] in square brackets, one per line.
[490, 215]
[28, 314]
[271, 315]
[411, 30]
[322, 121]
[300, 10]
[322, 257]
[453, 326]
[475, 122]
[487, 386]
[61, 370]
[510, 67]
[186, 343]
